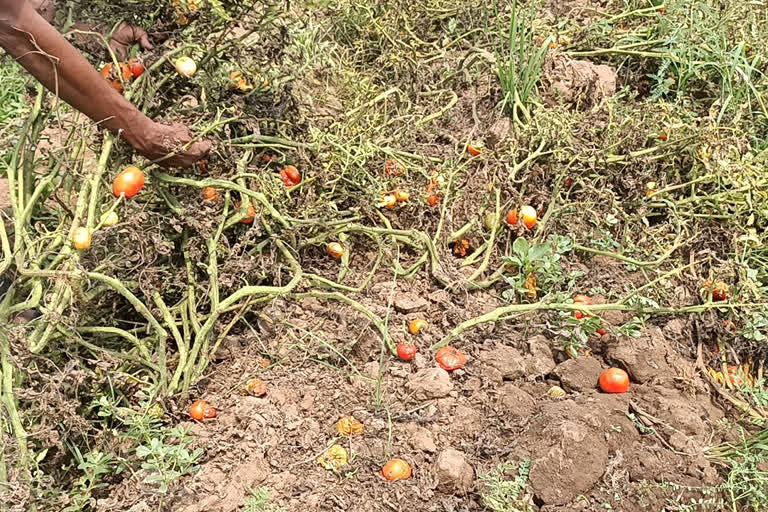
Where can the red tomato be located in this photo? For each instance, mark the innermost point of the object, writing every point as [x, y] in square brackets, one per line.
[512, 217]
[136, 67]
[201, 410]
[290, 176]
[474, 149]
[568, 182]
[581, 299]
[248, 219]
[662, 137]
[396, 469]
[128, 182]
[406, 351]
[614, 380]
[433, 199]
[720, 292]
[600, 331]
[450, 359]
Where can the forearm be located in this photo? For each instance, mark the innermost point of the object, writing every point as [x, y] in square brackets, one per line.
[48, 56]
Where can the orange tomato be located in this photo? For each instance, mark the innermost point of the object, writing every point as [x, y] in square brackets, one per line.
[128, 182]
[581, 299]
[433, 199]
[528, 213]
[402, 195]
[614, 380]
[512, 217]
[290, 176]
[450, 359]
[474, 149]
[349, 425]
[114, 78]
[210, 194]
[663, 137]
[201, 410]
[387, 201]
[396, 469]
[255, 387]
[81, 238]
[248, 219]
[416, 326]
[406, 351]
[335, 250]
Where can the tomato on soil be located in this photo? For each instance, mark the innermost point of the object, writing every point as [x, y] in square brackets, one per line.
[407, 351]
[528, 213]
[290, 176]
[335, 250]
[396, 469]
[450, 359]
[614, 380]
[416, 326]
[201, 410]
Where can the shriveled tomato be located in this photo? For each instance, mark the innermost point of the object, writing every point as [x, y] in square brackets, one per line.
[736, 375]
[290, 176]
[202, 410]
[128, 182]
[475, 148]
[568, 183]
[248, 219]
[402, 195]
[528, 213]
[334, 459]
[416, 326]
[720, 291]
[581, 299]
[396, 469]
[348, 426]
[210, 194]
[450, 359]
[614, 380]
[136, 67]
[433, 199]
[407, 351]
[393, 168]
[114, 77]
[255, 387]
[335, 250]
[387, 201]
[512, 217]
[81, 238]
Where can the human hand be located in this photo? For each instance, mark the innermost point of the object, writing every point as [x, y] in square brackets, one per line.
[125, 36]
[159, 140]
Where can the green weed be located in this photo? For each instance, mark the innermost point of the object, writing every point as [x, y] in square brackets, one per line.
[259, 502]
[507, 495]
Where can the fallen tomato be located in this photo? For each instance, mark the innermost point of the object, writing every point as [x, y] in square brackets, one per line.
[210, 194]
[239, 82]
[568, 182]
[736, 375]
[393, 168]
[416, 326]
[136, 67]
[185, 67]
[512, 217]
[396, 469]
[460, 247]
[387, 201]
[335, 250]
[248, 219]
[556, 392]
[614, 380]
[662, 137]
[290, 176]
[348, 426]
[720, 291]
[255, 387]
[402, 195]
[528, 213]
[584, 300]
[202, 410]
[128, 182]
[433, 199]
[450, 359]
[334, 459]
[475, 148]
[407, 351]
[114, 78]
[81, 238]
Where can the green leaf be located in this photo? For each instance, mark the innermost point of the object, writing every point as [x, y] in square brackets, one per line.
[539, 252]
[521, 248]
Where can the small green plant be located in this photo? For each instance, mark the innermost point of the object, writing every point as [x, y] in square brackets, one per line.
[519, 62]
[507, 495]
[259, 502]
[747, 483]
[541, 260]
[94, 466]
[167, 462]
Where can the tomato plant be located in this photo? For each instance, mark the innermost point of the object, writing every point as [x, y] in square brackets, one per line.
[396, 469]
[335, 250]
[128, 182]
[407, 351]
[614, 380]
[349, 425]
[290, 176]
[81, 238]
[450, 359]
[202, 410]
[416, 326]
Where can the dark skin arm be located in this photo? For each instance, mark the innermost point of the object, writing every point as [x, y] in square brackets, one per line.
[49, 57]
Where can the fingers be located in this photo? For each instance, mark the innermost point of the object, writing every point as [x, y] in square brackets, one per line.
[119, 49]
[144, 41]
[195, 152]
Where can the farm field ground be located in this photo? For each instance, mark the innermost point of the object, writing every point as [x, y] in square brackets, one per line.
[636, 130]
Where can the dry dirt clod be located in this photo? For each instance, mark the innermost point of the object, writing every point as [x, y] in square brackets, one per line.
[421, 439]
[515, 403]
[578, 82]
[506, 361]
[409, 303]
[454, 473]
[579, 374]
[540, 361]
[430, 383]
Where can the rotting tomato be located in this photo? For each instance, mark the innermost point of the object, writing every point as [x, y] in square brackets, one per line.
[614, 380]
[111, 76]
[512, 217]
[407, 351]
[239, 82]
[128, 182]
[450, 359]
[416, 326]
[720, 291]
[433, 199]
[460, 247]
[255, 387]
[335, 250]
[475, 148]
[136, 67]
[290, 176]
[348, 426]
[528, 214]
[396, 469]
[393, 168]
[210, 194]
[387, 201]
[202, 410]
[402, 195]
[248, 219]
[584, 300]
[735, 375]
[81, 238]
[568, 182]
[334, 459]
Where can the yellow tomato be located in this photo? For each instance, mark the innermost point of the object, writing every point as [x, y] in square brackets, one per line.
[81, 238]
